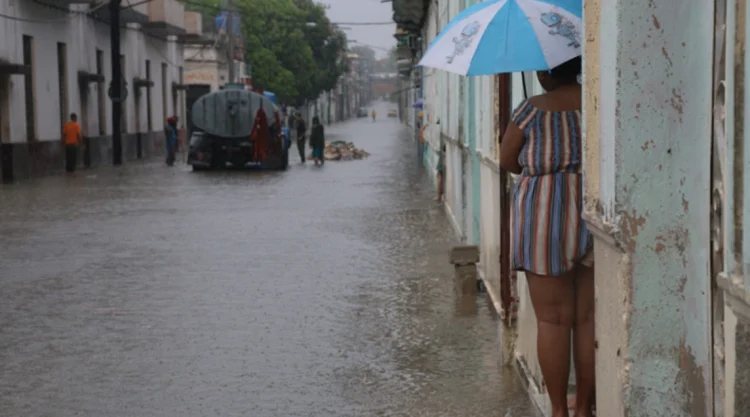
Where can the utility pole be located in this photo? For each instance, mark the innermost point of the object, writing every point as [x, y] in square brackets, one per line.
[230, 33]
[115, 86]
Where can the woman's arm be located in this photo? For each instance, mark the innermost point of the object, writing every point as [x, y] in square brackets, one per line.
[510, 148]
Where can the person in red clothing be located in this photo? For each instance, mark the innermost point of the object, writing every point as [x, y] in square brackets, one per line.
[72, 139]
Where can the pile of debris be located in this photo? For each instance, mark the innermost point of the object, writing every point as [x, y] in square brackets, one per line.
[342, 151]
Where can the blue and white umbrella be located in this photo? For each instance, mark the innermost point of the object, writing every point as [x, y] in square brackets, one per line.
[501, 36]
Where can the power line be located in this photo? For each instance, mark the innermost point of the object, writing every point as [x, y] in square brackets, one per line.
[363, 23]
[221, 9]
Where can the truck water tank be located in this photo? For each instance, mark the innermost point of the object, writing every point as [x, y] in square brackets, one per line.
[230, 113]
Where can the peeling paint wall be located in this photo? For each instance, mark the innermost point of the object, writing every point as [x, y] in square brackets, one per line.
[654, 83]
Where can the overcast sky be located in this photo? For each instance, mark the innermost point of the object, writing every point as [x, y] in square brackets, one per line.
[380, 36]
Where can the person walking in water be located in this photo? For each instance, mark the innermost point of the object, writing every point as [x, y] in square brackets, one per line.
[374, 115]
[170, 139]
[317, 141]
[301, 130]
[440, 173]
[71, 140]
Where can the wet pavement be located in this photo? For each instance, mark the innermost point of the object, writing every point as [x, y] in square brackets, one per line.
[149, 291]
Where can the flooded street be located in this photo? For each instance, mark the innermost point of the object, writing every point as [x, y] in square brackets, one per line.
[150, 291]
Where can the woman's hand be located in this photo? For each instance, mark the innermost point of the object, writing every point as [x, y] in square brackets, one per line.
[510, 148]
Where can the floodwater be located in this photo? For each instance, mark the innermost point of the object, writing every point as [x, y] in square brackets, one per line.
[152, 291]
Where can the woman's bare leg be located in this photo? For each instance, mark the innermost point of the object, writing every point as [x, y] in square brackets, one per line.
[583, 342]
[553, 299]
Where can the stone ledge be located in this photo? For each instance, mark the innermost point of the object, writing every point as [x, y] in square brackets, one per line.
[737, 296]
[465, 255]
[540, 399]
[488, 161]
[603, 231]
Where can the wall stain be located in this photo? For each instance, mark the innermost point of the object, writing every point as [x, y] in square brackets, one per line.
[630, 225]
[666, 55]
[691, 378]
[683, 283]
[677, 102]
[659, 248]
[656, 22]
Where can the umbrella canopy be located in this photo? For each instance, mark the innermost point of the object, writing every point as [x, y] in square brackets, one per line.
[418, 104]
[500, 36]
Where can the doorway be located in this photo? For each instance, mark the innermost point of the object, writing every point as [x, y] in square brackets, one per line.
[84, 90]
[6, 149]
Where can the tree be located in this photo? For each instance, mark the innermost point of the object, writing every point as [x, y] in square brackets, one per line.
[290, 46]
[365, 53]
[328, 46]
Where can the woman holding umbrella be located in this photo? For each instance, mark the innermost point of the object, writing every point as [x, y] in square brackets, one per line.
[549, 240]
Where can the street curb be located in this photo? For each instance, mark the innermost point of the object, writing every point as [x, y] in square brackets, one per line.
[535, 395]
[541, 400]
[490, 290]
[454, 223]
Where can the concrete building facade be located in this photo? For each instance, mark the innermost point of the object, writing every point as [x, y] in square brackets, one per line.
[55, 60]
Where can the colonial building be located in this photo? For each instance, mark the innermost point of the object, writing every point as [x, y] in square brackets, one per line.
[55, 60]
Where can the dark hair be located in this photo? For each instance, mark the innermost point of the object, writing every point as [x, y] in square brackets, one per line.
[316, 120]
[568, 71]
[73, 115]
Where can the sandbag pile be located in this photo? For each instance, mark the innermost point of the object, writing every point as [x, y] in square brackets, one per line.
[339, 150]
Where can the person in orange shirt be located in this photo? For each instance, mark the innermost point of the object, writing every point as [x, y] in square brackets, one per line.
[71, 140]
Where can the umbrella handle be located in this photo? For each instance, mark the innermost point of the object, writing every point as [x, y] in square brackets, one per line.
[523, 81]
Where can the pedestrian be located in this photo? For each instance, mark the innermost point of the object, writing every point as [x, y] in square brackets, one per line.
[301, 131]
[170, 139]
[549, 240]
[440, 173]
[317, 141]
[290, 121]
[374, 115]
[72, 139]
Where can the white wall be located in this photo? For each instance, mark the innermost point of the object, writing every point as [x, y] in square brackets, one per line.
[82, 36]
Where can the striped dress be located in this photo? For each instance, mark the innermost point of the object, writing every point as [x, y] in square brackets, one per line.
[548, 235]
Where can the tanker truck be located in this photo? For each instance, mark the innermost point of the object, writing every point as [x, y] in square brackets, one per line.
[237, 128]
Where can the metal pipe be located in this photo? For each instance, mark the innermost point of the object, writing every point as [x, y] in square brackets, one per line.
[230, 32]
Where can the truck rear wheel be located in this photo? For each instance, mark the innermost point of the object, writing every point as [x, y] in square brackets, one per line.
[284, 160]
